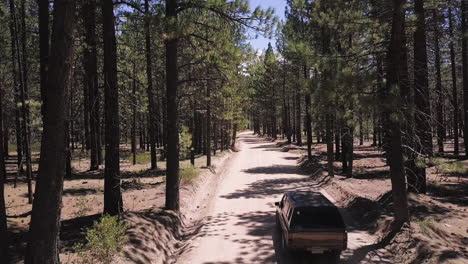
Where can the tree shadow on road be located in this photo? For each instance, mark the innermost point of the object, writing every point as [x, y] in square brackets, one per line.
[361, 253]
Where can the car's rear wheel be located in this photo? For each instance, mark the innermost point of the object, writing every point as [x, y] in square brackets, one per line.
[278, 224]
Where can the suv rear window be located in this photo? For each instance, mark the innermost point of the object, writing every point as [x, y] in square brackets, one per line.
[318, 217]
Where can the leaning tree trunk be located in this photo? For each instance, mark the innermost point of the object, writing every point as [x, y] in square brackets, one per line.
[149, 74]
[454, 86]
[395, 155]
[113, 204]
[45, 219]
[172, 79]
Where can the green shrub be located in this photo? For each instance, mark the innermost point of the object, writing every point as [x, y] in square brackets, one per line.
[185, 142]
[453, 168]
[103, 241]
[434, 161]
[143, 158]
[189, 174]
[426, 224]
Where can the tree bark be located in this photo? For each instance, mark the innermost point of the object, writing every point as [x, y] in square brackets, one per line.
[308, 119]
[90, 58]
[421, 98]
[43, 47]
[45, 219]
[338, 135]
[439, 92]
[361, 129]
[3, 220]
[298, 117]
[286, 123]
[24, 108]
[395, 155]
[454, 85]
[234, 135]
[329, 139]
[308, 127]
[465, 73]
[113, 204]
[19, 146]
[172, 79]
[208, 126]
[134, 116]
[149, 74]
[24, 94]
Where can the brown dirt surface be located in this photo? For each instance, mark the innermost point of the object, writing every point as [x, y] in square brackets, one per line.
[228, 211]
[154, 234]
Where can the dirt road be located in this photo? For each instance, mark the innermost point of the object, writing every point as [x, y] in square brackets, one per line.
[240, 227]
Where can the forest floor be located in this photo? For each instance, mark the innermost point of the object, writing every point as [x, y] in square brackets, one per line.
[228, 210]
[153, 232]
[438, 232]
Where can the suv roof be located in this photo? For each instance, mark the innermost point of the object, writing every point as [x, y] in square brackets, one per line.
[309, 199]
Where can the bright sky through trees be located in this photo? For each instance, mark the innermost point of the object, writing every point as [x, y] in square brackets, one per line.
[261, 42]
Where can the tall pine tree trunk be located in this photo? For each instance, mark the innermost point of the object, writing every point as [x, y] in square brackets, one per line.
[19, 145]
[149, 74]
[45, 219]
[134, 116]
[308, 127]
[208, 126]
[308, 119]
[465, 72]
[43, 47]
[439, 92]
[454, 86]
[112, 194]
[3, 220]
[172, 79]
[298, 118]
[24, 95]
[395, 155]
[421, 98]
[90, 59]
[329, 139]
